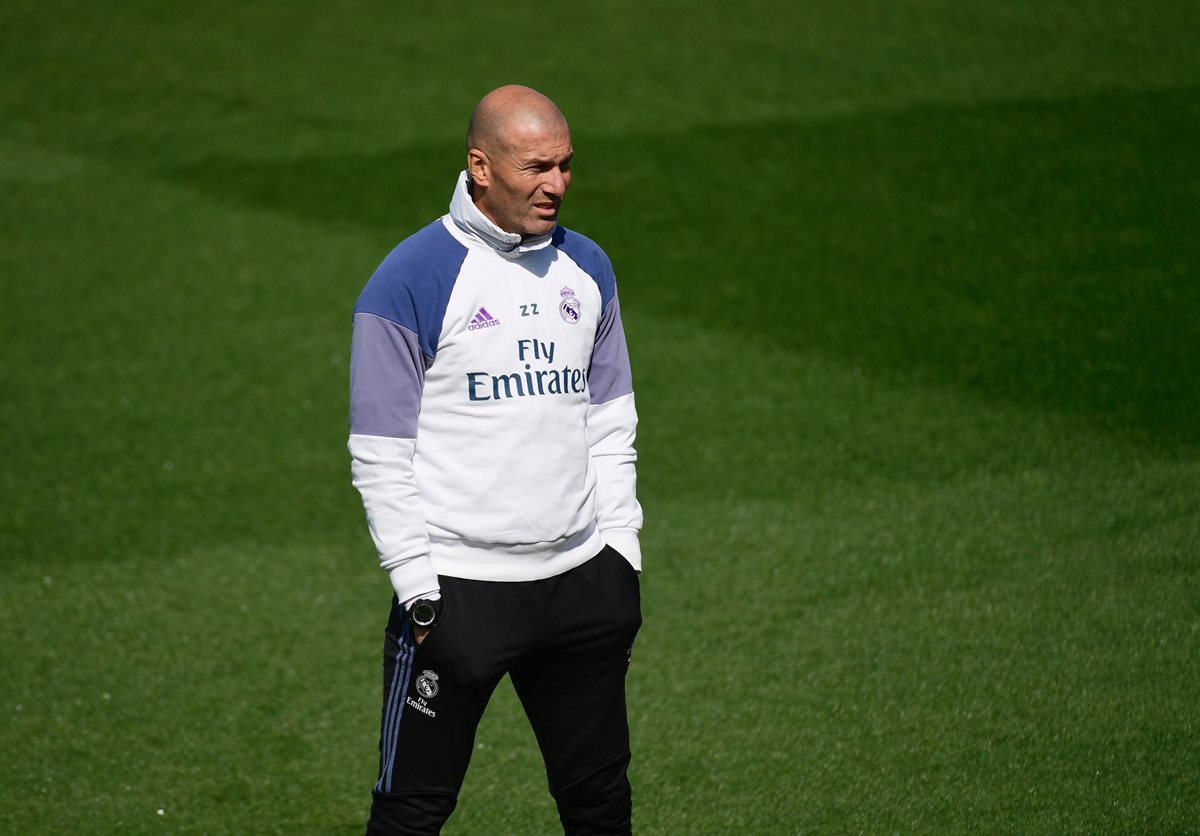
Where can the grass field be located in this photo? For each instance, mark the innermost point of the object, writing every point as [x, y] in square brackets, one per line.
[912, 293]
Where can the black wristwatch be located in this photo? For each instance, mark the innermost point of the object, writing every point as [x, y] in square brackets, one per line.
[424, 613]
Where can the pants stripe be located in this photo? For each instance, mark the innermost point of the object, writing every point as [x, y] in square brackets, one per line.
[395, 708]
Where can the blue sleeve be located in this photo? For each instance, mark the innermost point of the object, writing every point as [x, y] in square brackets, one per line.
[397, 321]
[412, 285]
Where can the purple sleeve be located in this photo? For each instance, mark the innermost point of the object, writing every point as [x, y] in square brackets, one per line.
[387, 373]
[397, 320]
[609, 377]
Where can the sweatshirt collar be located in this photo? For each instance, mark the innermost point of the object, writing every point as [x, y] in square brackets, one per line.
[469, 219]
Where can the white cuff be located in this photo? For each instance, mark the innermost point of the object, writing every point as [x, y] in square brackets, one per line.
[433, 595]
[625, 541]
[414, 578]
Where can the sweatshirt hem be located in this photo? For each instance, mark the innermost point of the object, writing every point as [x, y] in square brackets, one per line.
[473, 560]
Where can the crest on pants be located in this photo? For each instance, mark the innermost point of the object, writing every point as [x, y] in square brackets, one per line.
[427, 684]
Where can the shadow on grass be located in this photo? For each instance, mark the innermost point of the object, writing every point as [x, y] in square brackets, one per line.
[1035, 251]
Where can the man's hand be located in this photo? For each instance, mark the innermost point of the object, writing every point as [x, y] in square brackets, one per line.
[420, 633]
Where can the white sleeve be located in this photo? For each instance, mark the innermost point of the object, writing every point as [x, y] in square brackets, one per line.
[611, 429]
[382, 471]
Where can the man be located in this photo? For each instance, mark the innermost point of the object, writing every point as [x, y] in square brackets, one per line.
[491, 430]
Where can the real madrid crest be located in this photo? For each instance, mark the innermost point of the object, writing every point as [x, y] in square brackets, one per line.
[569, 309]
[427, 684]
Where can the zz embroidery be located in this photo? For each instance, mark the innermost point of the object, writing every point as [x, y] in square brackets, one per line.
[529, 310]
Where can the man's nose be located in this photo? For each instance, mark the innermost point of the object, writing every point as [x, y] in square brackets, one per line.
[555, 182]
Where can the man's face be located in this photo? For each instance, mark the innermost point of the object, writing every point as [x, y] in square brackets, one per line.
[526, 179]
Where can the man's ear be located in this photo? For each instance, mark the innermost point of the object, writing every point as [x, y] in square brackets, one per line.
[479, 168]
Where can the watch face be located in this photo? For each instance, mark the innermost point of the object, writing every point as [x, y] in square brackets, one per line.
[423, 614]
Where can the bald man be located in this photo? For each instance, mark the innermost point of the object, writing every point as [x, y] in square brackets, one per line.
[492, 429]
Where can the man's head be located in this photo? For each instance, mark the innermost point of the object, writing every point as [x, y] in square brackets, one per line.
[519, 159]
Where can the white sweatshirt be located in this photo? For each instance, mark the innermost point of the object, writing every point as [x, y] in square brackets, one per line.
[492, 419]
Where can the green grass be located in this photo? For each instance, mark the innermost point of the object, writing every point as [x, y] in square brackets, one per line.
[911, 292]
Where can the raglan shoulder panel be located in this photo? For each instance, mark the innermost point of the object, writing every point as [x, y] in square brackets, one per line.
[412, 285]
[591, 259]
[608, 375]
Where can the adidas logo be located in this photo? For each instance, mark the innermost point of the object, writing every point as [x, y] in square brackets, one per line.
[482, 319]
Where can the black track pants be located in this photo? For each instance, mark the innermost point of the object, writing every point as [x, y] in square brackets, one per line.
[565, 642]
